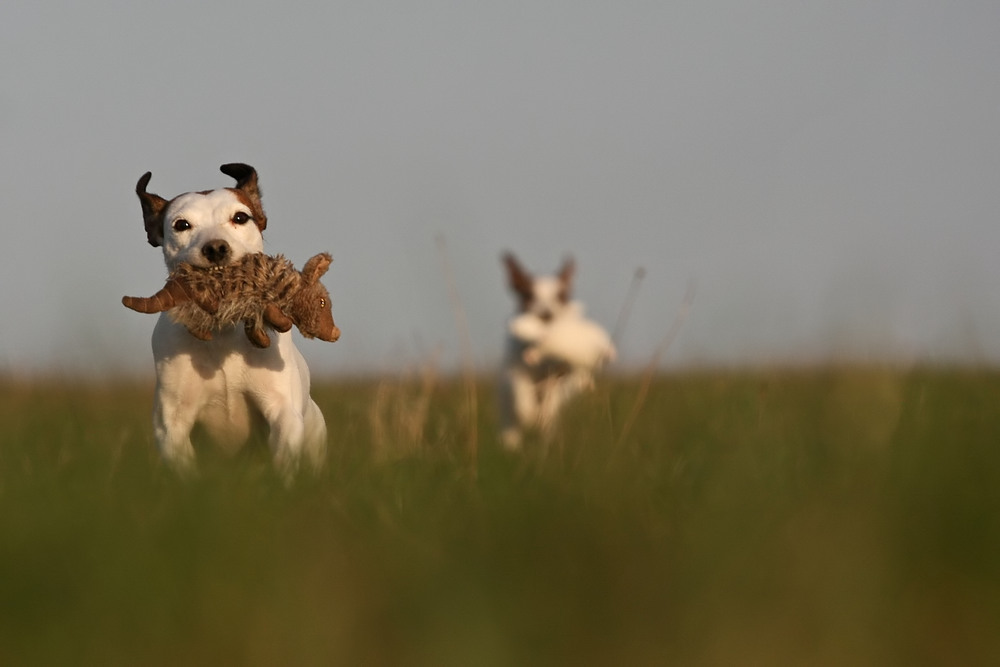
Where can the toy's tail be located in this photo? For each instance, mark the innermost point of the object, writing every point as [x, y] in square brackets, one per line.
[173, 294]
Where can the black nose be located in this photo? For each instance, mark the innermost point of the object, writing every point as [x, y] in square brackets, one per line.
[217, 252]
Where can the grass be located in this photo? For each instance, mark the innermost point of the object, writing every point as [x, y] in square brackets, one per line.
[829, 516]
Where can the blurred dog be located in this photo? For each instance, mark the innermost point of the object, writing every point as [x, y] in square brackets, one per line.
[224, 383]
[552, 352]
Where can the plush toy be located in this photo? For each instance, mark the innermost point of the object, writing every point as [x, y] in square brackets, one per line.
[571, 339]
[259, 291]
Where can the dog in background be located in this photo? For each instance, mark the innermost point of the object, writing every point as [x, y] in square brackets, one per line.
[552, 352]
[224, 384]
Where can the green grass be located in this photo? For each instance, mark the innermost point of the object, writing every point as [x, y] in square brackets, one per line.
[833, 516]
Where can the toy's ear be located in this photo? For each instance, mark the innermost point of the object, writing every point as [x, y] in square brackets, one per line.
[152, 210]
[246, 182]
[316, 267]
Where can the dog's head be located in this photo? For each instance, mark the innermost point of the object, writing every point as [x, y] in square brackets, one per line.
[207, 228]
[545, 297]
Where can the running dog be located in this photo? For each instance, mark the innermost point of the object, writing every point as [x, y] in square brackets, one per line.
[552, 352]
[224, 384]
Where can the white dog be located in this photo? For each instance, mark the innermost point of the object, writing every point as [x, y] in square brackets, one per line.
[224, 383]
[552, 352]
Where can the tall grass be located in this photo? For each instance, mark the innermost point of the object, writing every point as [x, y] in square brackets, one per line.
[828, 516]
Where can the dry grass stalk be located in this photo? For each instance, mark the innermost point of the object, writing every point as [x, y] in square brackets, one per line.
[468, 365]
[398, 414]
[654, 362]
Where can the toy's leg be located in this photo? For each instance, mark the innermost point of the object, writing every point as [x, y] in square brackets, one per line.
[532, 356]
[200, 334]
[277, 318]
[257, 336]
[208, 302]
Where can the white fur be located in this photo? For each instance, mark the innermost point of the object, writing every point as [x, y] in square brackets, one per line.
[571, 339]
[222, 383]
[210, 216]
[551, 356]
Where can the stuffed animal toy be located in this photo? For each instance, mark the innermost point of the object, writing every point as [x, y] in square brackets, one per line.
[260, 291]
[571, 340]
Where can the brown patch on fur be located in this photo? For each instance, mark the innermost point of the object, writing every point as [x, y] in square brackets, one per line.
[259, 218]
[247, 189]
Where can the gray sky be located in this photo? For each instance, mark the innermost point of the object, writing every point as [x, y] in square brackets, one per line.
[825, 172]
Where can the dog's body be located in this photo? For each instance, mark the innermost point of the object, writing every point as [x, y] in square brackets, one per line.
[224, 383]
[537, 381]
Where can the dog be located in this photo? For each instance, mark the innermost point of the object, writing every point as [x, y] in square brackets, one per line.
[552, 352]
[226, 384]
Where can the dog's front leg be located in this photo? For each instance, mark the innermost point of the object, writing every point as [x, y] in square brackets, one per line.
[181, 388]
[556, 392]
[174, 416]
[314, 443]
[550, 404]
[519, 407]
[287, 436]
[296, 439]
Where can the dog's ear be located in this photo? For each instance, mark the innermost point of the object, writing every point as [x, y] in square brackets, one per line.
[246, 182]
[565, 275]
[519, 280]
[316, 267]
[152, 210]
[245, 175]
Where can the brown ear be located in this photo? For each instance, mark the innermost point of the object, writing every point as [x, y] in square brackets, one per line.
[519, 280]
[152, 210]
[565, 276]
[246, 182]
[567, 271]
[316, 267]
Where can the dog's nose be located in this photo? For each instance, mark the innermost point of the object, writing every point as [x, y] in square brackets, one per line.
[216, 252]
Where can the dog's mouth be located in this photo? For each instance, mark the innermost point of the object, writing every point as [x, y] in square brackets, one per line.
[199, 262]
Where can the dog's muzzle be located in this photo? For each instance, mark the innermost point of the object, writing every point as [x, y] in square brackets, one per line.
[217, 252]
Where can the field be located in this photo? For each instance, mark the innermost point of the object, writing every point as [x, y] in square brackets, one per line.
[825, 516]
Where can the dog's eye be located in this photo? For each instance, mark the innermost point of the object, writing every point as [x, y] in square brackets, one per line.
[322, 303]
[241, 218]
[181, 224]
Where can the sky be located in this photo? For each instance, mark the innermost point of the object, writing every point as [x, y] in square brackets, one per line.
[822, 175]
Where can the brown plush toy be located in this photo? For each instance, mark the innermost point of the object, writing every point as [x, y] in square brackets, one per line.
[259, 291]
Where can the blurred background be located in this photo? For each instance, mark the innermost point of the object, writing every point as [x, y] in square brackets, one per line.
[825, 173]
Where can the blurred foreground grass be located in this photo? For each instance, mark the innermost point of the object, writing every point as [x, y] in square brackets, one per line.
[833, 516]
